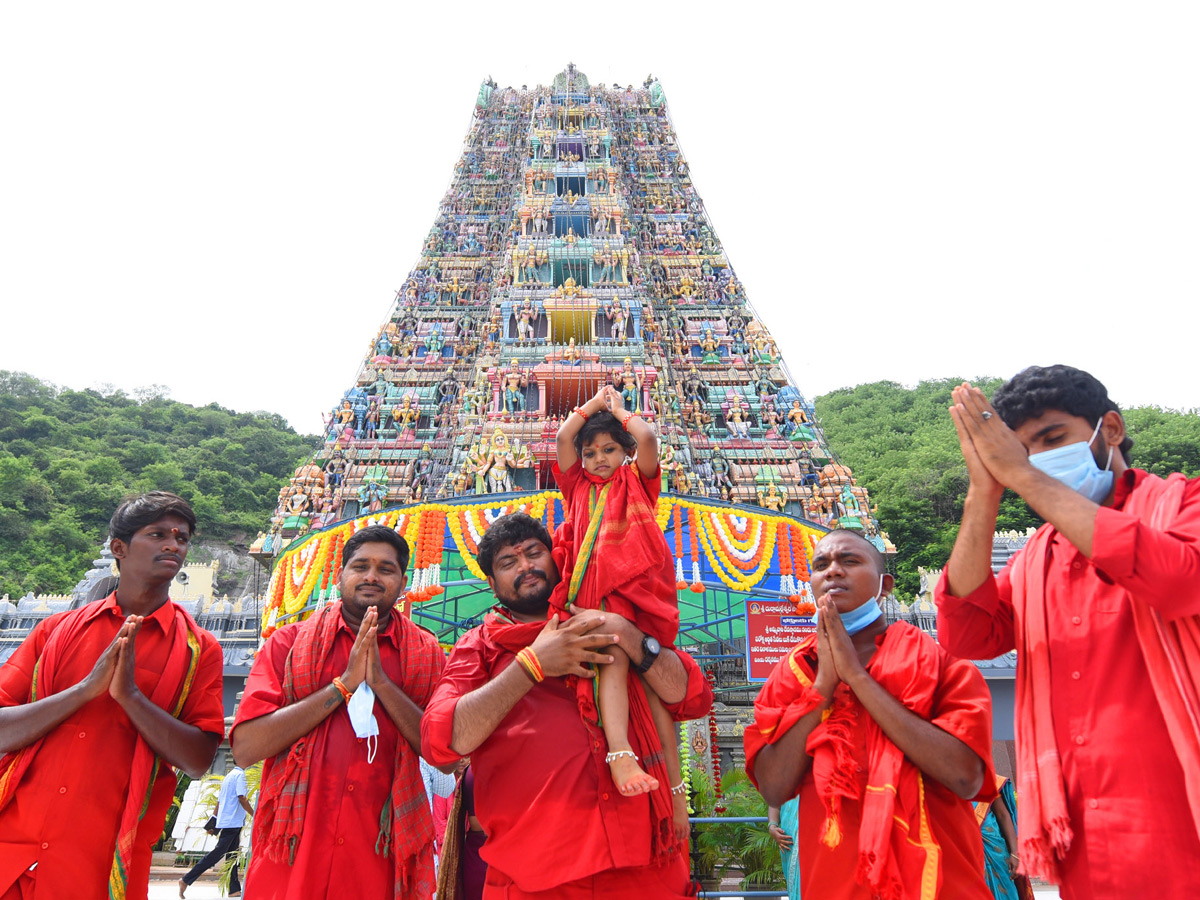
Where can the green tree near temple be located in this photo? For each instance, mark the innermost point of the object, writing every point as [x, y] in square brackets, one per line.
[68, 457]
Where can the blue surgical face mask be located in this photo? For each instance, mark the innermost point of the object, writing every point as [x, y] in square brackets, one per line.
[1075, 466]
[862, 616]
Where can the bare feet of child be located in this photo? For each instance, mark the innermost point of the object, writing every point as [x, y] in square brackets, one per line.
[628, 776]
[680, 818]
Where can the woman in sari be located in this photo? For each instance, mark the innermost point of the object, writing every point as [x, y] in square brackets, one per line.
[783, 825]
[997, 821]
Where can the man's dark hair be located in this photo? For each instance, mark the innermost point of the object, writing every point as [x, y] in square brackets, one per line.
[140, 510]
[604, 423]
[873, 552]
[1032, 392]
[376, 534]
[515, 528]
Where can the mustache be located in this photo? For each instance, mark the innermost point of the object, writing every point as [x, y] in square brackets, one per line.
[521, 578]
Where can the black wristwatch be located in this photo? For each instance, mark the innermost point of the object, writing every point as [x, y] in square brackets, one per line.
[650, 650]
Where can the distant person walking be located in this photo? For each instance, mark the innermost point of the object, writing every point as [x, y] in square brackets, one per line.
[232, 808]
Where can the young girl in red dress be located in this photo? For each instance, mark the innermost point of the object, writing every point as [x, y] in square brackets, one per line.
[615, 558]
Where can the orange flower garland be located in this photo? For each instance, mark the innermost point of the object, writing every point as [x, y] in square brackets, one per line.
[697, 587]
[799, 557]
[731, 559]
[677, 514]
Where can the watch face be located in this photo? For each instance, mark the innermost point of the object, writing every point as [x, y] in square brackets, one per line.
[651, 646]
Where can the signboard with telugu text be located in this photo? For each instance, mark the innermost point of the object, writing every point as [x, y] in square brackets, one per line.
[773, 627]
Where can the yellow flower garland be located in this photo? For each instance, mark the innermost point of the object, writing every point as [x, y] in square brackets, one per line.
[749, 543]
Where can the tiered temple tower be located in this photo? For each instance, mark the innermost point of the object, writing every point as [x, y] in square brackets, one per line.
[571, 250]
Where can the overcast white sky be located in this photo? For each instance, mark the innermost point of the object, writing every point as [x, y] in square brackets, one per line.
[222, 197]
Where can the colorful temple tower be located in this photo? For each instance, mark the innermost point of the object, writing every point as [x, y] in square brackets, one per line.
[571, 250]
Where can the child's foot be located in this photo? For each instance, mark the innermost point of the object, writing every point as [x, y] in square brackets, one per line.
[680, 817]
[628, 776]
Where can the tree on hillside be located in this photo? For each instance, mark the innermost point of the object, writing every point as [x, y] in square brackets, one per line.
[68, 457]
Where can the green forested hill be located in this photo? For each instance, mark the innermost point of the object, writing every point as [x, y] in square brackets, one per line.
[68, 457]
[902, 447]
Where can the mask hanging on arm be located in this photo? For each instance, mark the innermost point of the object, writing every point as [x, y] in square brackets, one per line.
[1074, 466]
[363, 720]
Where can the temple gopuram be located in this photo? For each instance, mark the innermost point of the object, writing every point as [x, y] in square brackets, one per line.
[572, 250]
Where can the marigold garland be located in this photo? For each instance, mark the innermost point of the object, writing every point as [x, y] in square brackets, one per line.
[747, 558]
[738, 549]
[697, 585]
[799, 557]
[725, 568]
[750, 537]
[718, 791]
[677, 513]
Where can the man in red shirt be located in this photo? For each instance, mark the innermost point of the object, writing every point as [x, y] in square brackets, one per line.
[557, 828]
[97, 706]
[1105, 767]
[883, 736]
[342, 804]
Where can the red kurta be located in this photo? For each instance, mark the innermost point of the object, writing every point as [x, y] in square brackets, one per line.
[638, 582]
[1124, 785]
[67, 809]
[542, 789]
[345, 793]
[961, 707]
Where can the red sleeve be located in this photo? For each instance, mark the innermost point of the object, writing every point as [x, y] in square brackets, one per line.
[1161, 568]
[264, 687]
[568, 481]
[16, 675]
[980, 625]
[699, 697]
[465, 671]
[786, 697]
[962, 708]
[205, 704]
[651, 484]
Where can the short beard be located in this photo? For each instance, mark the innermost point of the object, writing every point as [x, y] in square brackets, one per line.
[532, 604]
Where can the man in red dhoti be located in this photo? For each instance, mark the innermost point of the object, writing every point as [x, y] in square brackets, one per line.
[342, 808]
[557, 828]
[1103, 609]
[883, 736]
[98, 706]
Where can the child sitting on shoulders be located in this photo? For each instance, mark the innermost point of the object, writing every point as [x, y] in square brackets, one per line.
[618, 561]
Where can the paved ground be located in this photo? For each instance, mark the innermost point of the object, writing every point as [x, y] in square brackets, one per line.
[167, 890]
[162, 889]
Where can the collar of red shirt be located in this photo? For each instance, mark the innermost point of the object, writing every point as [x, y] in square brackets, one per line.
[163, 616]
[1125, 485]
[389, 631]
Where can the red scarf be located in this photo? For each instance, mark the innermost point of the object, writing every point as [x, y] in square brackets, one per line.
[893, 861]
[643, 736]
[1044, 825]
[169, 693]
[405, 822]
